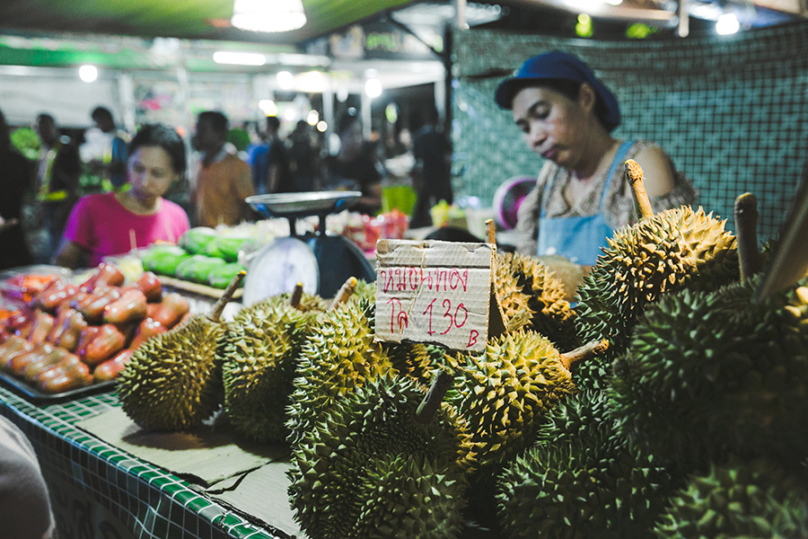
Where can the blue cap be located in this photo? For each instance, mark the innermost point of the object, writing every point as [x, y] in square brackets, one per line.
[559, 66]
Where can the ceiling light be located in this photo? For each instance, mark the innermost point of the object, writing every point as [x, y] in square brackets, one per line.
[373, 88]
[239, 58]
[285, 80]
[322, 126]
[268, 15]
[313, 117]
[727, 24]
[88, 73]
[268, 107]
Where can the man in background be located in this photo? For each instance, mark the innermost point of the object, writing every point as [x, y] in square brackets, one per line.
[432, 172]
[57, 182]
[221, 180]
[15, 181]
[304, 159]
[105, 150]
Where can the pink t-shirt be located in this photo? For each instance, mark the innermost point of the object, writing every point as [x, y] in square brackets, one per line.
[103, 226]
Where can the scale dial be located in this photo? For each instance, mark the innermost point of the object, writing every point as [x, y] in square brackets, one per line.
[278, 267]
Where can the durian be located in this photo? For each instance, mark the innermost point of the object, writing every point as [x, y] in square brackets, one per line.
[712, 373]
[581, 479]
[259, 356]
[369, 469]
[524, 284]
[338, 357]
[173, 381]
[754, 499]
[662, 253]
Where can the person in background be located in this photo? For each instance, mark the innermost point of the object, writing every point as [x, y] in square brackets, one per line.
[303, 158]
[354, 168]
[57, 180]
[114, 223]
[432, 171]
[25, 508]
[15, 180]
[567, 116]
[270, 162]
[221, 180]
[105, 150]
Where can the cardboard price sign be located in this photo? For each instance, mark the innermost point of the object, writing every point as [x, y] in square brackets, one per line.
[435, 291]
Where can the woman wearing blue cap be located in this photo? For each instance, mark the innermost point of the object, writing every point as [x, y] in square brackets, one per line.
[567, 116]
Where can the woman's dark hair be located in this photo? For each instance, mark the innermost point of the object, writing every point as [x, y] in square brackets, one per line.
[164, 137]
[569, 89]
[217, 120]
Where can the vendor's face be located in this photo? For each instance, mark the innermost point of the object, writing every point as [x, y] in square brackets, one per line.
[150, 172]
[553, 125]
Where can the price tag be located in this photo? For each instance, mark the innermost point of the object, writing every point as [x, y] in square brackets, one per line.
[436, 291]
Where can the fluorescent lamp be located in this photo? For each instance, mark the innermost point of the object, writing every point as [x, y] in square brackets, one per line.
[239, 58]
[285, 80]
[268, 15]
[88, 73]
[268, 107]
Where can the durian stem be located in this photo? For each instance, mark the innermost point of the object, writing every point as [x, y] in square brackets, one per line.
[583, 353]
[348, 288]
[227, 295]
[746, 218]
[426, 410]
[519, 320]
[490, 231]
[635, 178]
[297, 295]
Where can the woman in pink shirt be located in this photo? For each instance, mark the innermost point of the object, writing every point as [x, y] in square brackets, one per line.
[114, 223]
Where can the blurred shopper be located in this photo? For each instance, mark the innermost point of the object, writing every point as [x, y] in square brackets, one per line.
[104, 151]
[567, 115]
[270, 162]
[15, 180]
[303, 158]
[57, 180]
[354, 167]
[25, 508]
[221, 180]
[114, 223]
[432, 171]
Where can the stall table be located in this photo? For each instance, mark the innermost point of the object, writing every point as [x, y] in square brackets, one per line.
[100, 491]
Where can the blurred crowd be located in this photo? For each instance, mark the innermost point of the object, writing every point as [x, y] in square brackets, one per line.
[73, 196]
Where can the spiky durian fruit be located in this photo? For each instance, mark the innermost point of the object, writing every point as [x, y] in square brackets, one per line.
[174, 380]
[364, 290]
[663, 252]
[754, 499]
[504, 391]
[581, 479]
[417, 360]
[712, 373]
[338, 357]
[524, 284]
[370, 469]
[259, 356]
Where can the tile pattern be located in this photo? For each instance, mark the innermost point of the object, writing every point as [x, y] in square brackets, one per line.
[148, 501]
[731, 111]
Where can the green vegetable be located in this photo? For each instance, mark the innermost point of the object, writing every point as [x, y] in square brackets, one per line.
[220, 276]
[228, 247]
[197, 268]
[163, 259]
[196, 240]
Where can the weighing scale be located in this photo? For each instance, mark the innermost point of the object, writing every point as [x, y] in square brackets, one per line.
[322, 262]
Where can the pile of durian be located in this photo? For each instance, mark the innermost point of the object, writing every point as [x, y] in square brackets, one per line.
[671, 401]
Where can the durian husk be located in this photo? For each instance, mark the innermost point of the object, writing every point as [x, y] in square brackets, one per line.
[669, 251]
[718, 363]
[581, 479]
[369, 469]
[738, 499]
[338, 357]
[504, 391]
[524, 284]
[173, 381]
[259, 356]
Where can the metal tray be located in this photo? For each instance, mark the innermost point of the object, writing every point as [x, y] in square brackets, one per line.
[34, 395]
[300, 204]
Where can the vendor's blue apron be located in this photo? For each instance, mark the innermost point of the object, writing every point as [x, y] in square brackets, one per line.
[580, 239]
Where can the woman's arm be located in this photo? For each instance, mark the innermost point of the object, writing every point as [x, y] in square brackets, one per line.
[70, 254]
[658, 174]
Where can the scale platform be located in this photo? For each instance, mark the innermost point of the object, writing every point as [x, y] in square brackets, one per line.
[320, 261]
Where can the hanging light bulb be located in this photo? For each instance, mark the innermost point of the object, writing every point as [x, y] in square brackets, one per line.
[268, 15]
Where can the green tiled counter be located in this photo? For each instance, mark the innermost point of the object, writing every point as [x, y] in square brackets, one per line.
[99, 491]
